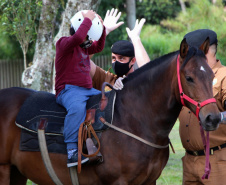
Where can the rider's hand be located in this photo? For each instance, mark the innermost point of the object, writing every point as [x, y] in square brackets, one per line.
[110, 20]
[118, 84]
[89, 14]
[135, 33]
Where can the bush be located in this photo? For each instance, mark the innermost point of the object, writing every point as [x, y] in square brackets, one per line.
[165, 38]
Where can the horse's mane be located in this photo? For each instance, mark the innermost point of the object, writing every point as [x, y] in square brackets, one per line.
[165, 58]
[154, 63]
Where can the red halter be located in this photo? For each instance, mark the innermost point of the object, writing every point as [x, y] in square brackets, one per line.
[184, 96]
[198, 107]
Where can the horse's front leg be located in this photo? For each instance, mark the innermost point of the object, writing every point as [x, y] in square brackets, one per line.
[16, 178]
[120, 181]
[4, 174]
[150, 183]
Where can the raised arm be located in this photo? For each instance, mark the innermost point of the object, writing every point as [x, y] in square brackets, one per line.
[111, 19]
[111, 23]
[140, 52]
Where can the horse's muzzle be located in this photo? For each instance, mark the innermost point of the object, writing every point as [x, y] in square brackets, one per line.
[211, 121]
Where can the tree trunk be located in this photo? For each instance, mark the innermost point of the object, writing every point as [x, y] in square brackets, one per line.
[183, 7]
[40, 75]
[131, 13]
[25, 59]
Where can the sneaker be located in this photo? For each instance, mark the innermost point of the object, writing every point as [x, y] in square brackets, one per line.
[73, 161]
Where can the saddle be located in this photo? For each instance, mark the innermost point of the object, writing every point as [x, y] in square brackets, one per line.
[41, 121]
[43, 105]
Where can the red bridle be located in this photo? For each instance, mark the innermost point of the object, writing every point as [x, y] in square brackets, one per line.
[184, 96]
[198, 107]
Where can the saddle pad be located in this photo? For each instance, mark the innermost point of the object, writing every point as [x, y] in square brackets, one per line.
[29, 142]
[43, 105]
[54, 143]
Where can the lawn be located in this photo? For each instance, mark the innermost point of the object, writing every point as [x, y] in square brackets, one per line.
[172, 173]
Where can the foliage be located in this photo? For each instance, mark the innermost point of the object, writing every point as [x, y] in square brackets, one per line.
[167, 9]
[156, 10]
[202, 14]
[158, 41]
[224, 2]
[9, 47]
[152, 10]
[19, 18]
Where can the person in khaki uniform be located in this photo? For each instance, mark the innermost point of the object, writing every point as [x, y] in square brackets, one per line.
[194, 159]
[122, 51]
[124, 56]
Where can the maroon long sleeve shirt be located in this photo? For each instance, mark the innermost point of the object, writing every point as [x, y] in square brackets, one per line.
[72, 62]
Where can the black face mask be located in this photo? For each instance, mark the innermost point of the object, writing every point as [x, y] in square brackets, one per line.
[121, 69]
[86, 44]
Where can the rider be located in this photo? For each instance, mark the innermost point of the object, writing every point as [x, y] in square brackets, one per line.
[73, 82]
[124, 56]
[194, 159]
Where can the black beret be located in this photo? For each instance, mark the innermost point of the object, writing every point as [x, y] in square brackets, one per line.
[197, 37]
[124, 48]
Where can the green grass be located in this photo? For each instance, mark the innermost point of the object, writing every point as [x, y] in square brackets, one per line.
[172, 173]
[29, 182]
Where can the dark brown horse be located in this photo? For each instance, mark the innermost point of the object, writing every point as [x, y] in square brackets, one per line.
[148, 107]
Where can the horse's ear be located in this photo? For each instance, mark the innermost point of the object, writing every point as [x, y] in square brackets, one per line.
[183, 48]
[205, 45]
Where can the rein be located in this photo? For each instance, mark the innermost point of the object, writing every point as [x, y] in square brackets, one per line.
[103, 104]
[198, 107]
[134, 136]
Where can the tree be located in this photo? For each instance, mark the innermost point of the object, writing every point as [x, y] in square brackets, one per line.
[19, 18]
[200, 14]
[182, 4]
[40, 75]
[154, 11]
[131, 13]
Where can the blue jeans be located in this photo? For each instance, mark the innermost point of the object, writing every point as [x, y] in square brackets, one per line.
[74, 99]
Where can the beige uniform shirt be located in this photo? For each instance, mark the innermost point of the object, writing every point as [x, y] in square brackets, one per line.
[189, 127]
[102, 76]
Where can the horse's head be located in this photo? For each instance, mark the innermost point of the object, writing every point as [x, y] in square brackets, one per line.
[196, 84]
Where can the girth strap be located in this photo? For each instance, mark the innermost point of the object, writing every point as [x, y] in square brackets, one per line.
[44, 152]
[74, 176]
[46, 159]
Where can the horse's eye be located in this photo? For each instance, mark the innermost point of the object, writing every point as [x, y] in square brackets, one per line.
[189, 79]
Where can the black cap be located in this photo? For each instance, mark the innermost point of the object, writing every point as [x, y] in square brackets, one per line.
[197, 37]
[123, 47]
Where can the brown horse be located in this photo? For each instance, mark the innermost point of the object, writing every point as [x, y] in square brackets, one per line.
[148, 107]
